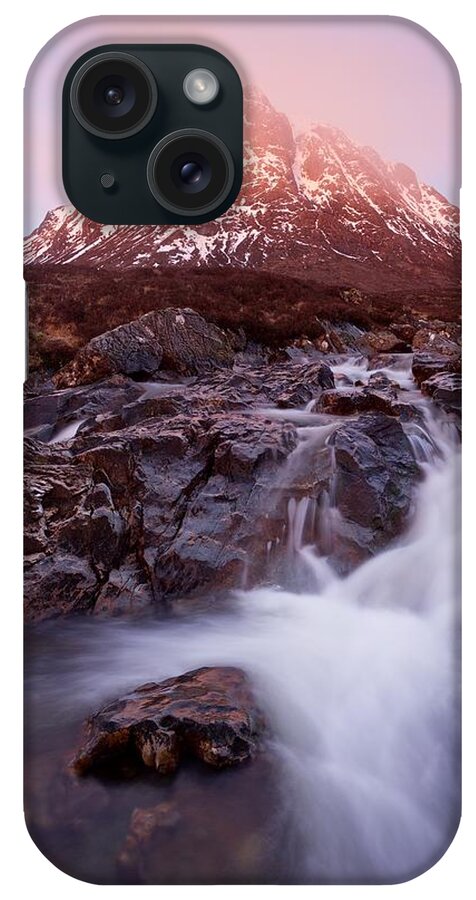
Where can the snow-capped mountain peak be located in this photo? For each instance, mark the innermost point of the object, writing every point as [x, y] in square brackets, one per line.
[315, 205]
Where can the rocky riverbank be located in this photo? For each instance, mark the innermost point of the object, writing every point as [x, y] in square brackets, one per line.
[168, 464]
[166, 478]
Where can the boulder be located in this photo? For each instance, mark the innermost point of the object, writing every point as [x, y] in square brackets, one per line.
[403, 330]
[59, 583]
[427, 363]
[385, 360]
[386, 342]
[301, 384]
[179, 340]
[445, 389]
[351, 495]
[126, 590]
[151, 512]
[375, 476]
[48, 411]
[381, 383]
[348, 402]
[438, 337]
[209, 713]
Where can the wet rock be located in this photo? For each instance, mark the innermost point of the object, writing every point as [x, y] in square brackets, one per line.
[439, 337]
[403, 330]
[252, 355]
[47, 411]
[379, 382]
[144, 831]
[179, 340]
[57, 584]
[151, 512]
[385, 360]
[325, 378]
[409, 412]
[304, 384]
[427, 363]
[209, 713]
[386, 342]
[126, 591]
[343, 380]
[167, 842]
[445, 390]
[348, 402]
[224, 524]
[376, 473]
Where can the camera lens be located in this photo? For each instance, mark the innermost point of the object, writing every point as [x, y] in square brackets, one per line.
[190, 172]
[113, 95]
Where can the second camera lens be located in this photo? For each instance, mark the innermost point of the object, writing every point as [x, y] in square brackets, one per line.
[190, 172]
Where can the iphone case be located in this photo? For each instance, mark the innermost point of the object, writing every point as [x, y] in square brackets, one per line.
[242, 445]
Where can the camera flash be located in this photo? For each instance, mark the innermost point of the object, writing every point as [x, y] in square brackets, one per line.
[201, 86]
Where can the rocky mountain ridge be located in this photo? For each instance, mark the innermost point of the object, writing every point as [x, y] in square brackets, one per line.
[317, 206]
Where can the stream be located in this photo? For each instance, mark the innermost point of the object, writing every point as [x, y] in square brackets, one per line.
[357, 675]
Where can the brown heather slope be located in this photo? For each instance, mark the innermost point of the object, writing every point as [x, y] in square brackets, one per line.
[68, 305]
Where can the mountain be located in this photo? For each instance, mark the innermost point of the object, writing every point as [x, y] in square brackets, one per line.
[316, 206]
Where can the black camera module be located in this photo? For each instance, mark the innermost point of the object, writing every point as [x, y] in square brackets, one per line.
[145, 138]
[113, 95]
[190, 172]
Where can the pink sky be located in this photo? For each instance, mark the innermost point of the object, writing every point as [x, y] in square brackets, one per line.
[384, 81]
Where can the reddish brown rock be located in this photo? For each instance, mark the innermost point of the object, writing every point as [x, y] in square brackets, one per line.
[386, 342]
[439, 337]
[379, 382]
[348, 402]
[209, 713]
[167, 841]
[144, 830]
[403, 330]
[305, 383]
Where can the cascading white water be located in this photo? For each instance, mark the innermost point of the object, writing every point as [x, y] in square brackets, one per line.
[67, 432]
[357, 369]
[359, 681]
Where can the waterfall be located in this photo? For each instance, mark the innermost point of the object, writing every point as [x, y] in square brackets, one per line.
[299, 514]
[358, 678]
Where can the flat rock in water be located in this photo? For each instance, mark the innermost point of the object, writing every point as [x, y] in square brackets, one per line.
[347, 402]
[209, 713]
